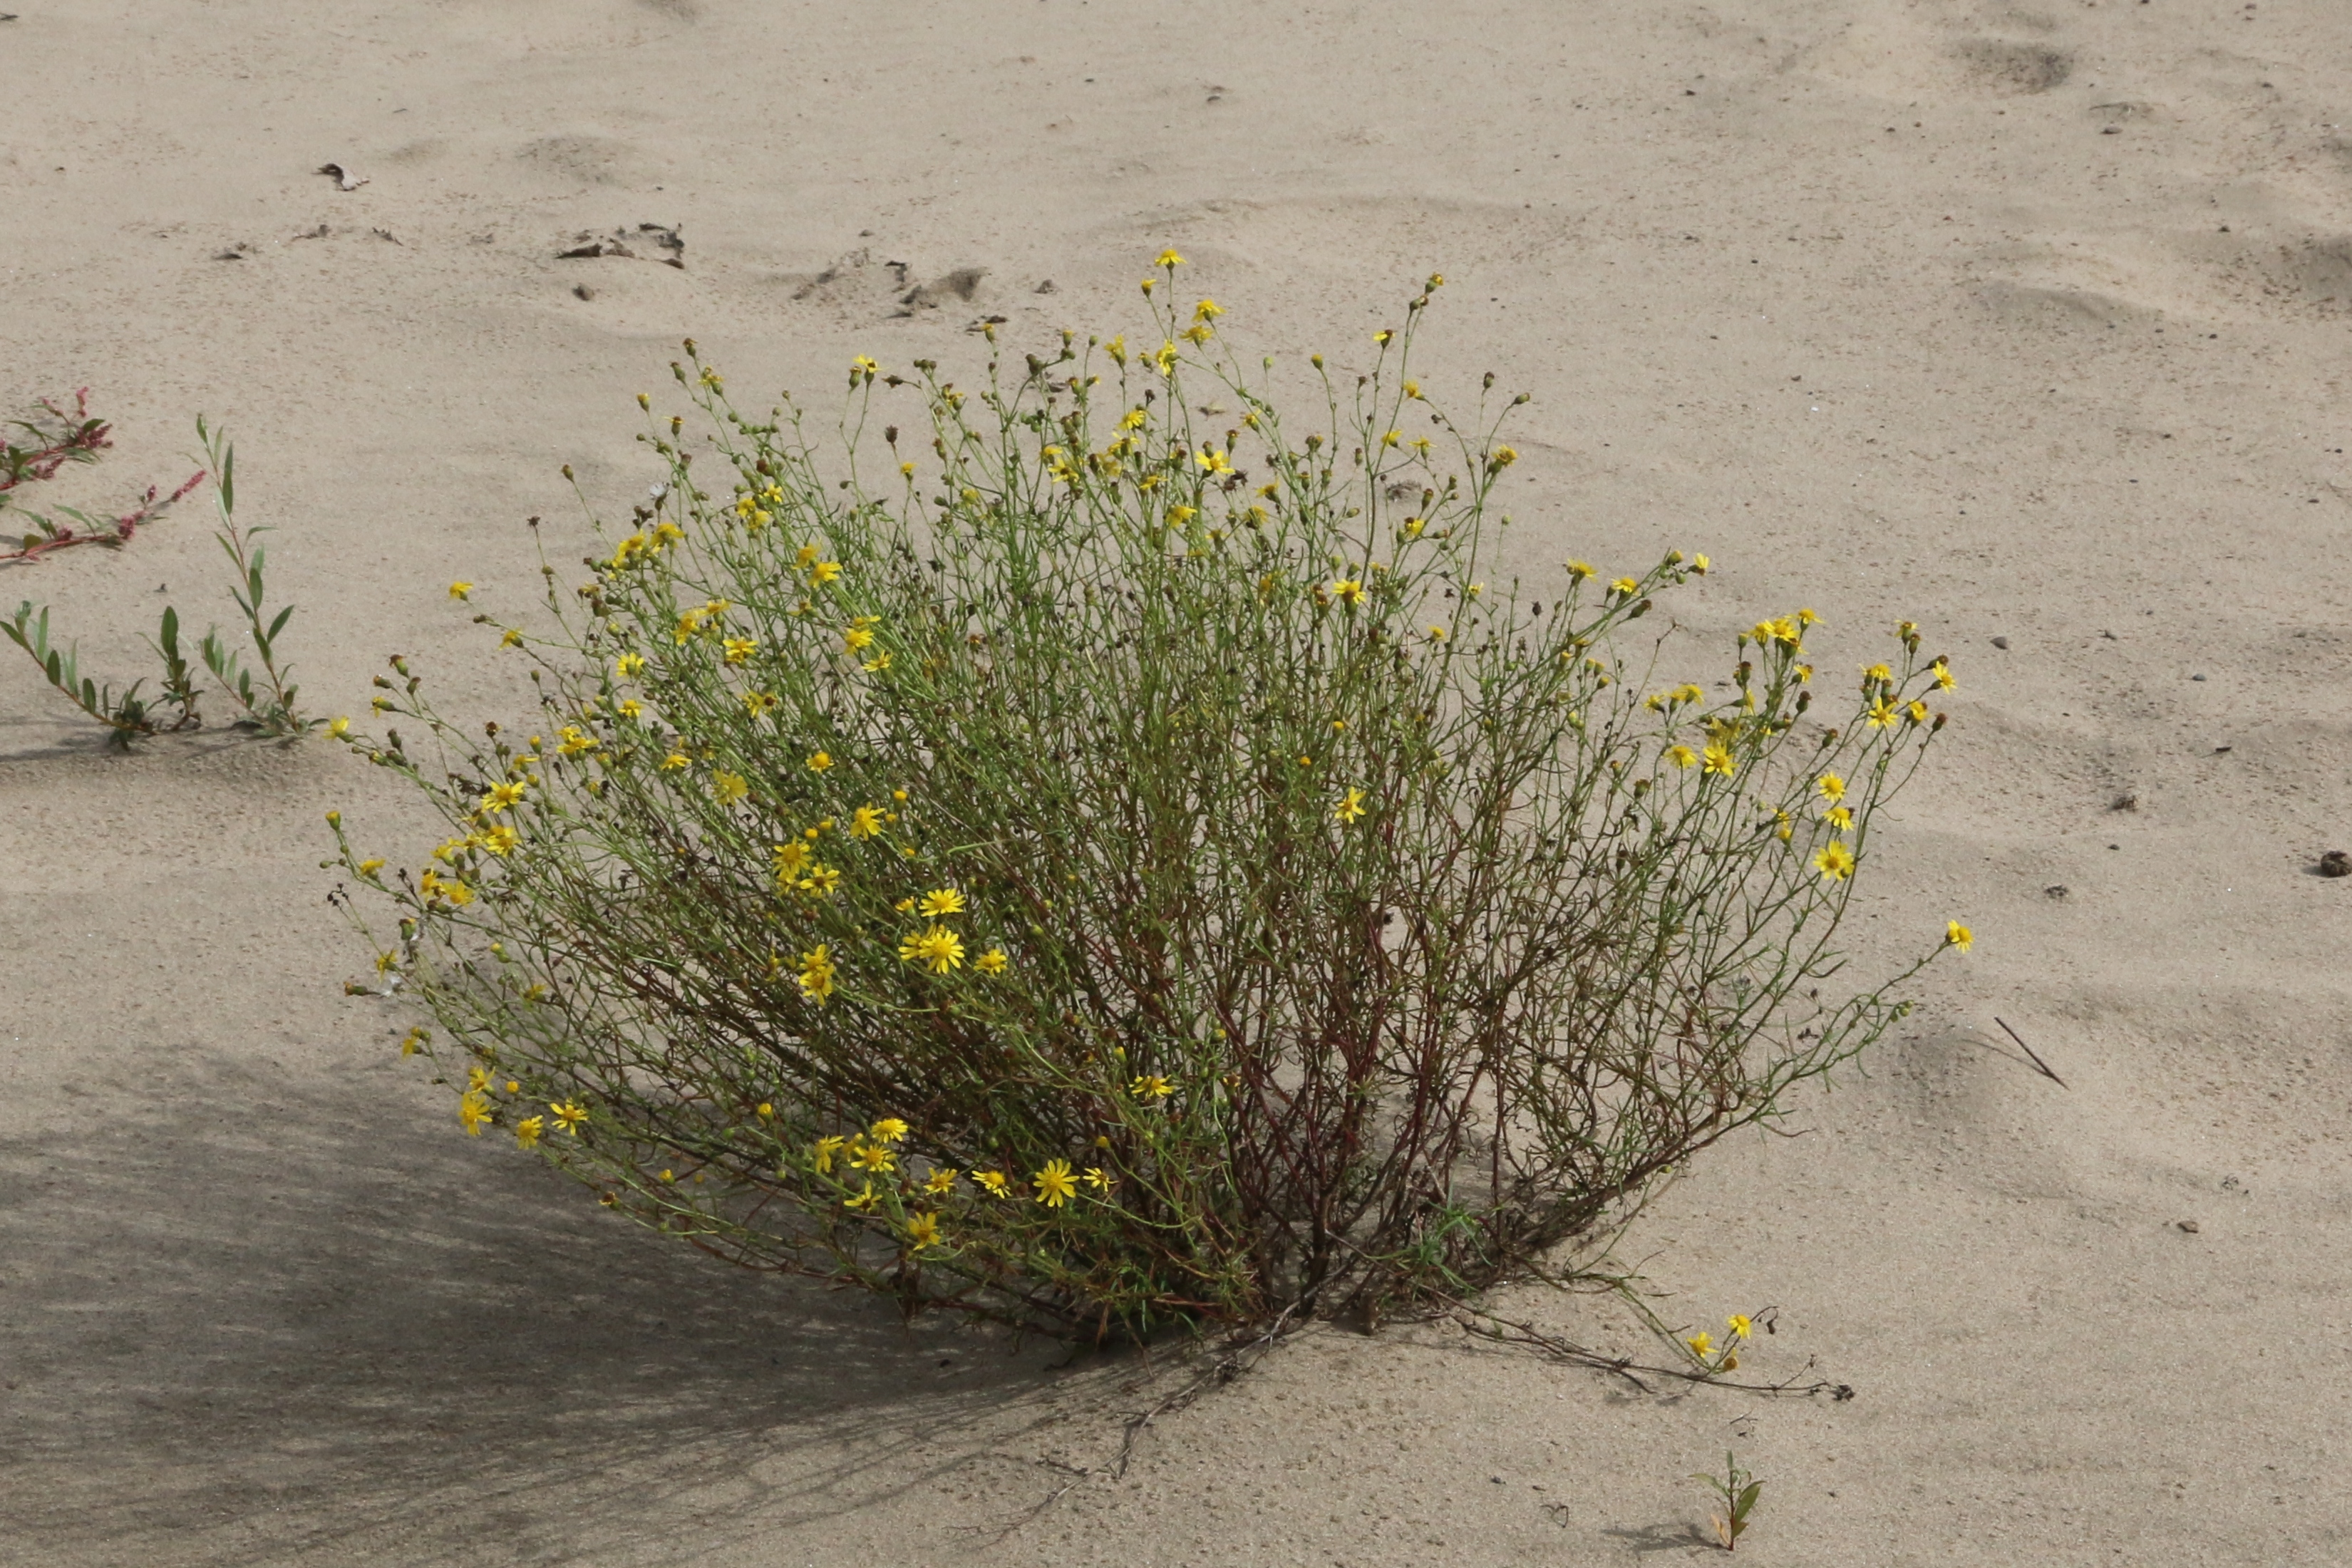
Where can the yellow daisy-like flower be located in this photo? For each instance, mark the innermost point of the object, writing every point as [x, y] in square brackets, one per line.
[528, 1130]
[1626, 585]
[1832, 788]
[1944, 681]
[1916, 711]
[461, 590]
[1699, 564]
[371, 865]
[1840, 818]
[1348, 591]
[570, 1115]
[995, 1182]
[1351, 806]
[1960, 936]
[940, 902]
[1578, 572]
[1097, 1178]
[758, 703]
[474, 1112]
[1720, 760]
[513, 638]
[674, 761]
[1740, 1324]
[1700, 1343]
[816, 976]
[821, 880]
[937, 949]
[1502, 458]
[502, 795]
[1877, 672]
[819, 763]
[864, 1200]
[574, 741]
[1054, 1186]
[1681, 756]
[1882, 714]
[890, 1130]
[1168, 258]
[629, 666]
[875, 1157]
[940, 1181]
[825, 572]
[923, 1230]
[728, 788]
[737, 650]
[993, 962]
[855, 638]
[865, 822]
[790, 859]
[823, 1153]
[1152, 1086]
[1836, 862]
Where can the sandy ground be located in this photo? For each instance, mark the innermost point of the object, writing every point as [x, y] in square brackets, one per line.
[2028, 322]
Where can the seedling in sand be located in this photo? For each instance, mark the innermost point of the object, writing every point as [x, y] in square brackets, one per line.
[1737, 1490]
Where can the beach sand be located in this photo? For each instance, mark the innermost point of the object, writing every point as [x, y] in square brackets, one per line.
[2026, 323]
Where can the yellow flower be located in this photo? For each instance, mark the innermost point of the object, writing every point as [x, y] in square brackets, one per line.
[940, 1181]
[923, 1230]
[737, 650]
[630, 707]
[1836, 862]
[1152, 1086]
[500, 840]
[474, 1112]
[865, 822]
[1207, 310]
[1054, 1186]
[757, 703]
[1351, 806]
[574, 741]
[1502, 458]
[1740, 1324]
[570, 1115]
[1916, 711]
[789, 858]
[528, 1129]
[1877, 672]
[513, 638]
[1700, 1343]
[1699, 564]
[875, 1157]
[1626, 585]
[1097, 1178]
[460, 590]
[816, 975]
[1168, 258]
[995, 1182]
[674, 761]
[940, 902]
[890, 1130]
[339, 728]
[864, 1200]
[1348, 591]
[821, 880]
[1944, 681]
[856, 638]
[820, 762]
[414, 1041]
[823, 1152]
[1840, 818]
[938, 949]
[825, 572]
[1719, 761]
[1881, 715]
[502, 795]
[1958, 935]
[1832, 788]
[1578, 572]
[370, 866]
[865, 368]
[1681, 756]
[728, 788]
[993, 962]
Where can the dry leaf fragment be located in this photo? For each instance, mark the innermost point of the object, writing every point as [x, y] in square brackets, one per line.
[343, 181]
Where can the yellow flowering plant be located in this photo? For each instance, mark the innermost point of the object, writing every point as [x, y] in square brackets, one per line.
[1149, 889]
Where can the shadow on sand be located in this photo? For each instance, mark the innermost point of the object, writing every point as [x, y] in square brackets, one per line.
[269, 1322]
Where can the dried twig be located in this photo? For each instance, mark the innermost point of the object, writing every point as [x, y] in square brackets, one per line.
[1506, 1331]
[2040, 1066]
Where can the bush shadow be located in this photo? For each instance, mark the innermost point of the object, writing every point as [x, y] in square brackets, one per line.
[273, 1322]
